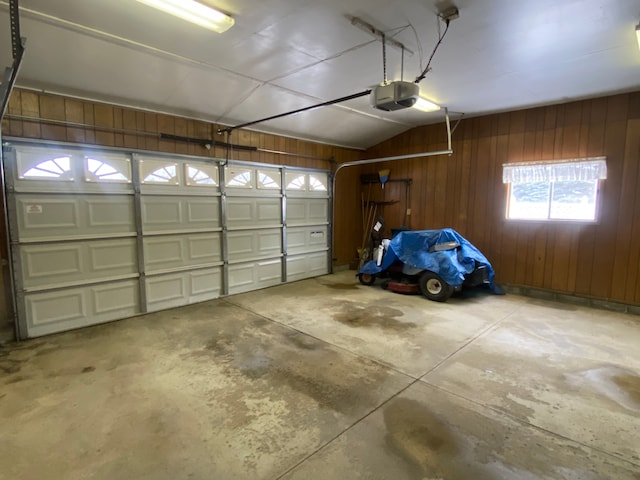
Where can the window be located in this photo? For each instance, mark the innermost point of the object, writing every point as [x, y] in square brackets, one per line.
[239, 178]
[318, 183]
[269, 179]
[202, 175]
[114, 169]
[58, 168]
[558, 190]
[159, 172]
[296, 181]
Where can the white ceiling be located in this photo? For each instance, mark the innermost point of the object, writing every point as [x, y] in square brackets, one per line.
[282, 55]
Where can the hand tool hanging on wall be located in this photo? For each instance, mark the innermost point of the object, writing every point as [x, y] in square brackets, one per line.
[384, 177]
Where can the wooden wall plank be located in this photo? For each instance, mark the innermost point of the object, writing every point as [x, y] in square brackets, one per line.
[604, 247]
[74, 113]
[117, 125]
[30, 106]
[12, 126]
[104, 121]
[89, 119]
[625, 246]
[52, 108]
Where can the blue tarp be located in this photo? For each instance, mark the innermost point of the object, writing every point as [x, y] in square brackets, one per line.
[412, 248]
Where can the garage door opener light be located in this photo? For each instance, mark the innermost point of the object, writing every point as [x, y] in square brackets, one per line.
[194, 12]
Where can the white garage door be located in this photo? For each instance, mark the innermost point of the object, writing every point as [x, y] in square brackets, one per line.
[307, 214]
[103, 235]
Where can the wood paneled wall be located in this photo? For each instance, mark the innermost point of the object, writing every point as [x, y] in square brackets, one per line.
[465, 192]
[57, 118]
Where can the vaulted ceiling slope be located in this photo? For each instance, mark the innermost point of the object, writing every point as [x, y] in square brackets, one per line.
[282, 55]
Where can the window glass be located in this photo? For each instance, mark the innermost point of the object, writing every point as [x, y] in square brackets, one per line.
[529, 201]
[574, 200]
[318, 183]
[202, 175]
[53, 168]
[159, 172]
[107, 169]
[296, 181]
[239, 178]
[269, 179]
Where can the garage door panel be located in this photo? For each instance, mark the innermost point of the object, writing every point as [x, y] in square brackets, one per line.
[179, 251]
[307, 239]
[183, 288]
[47, 308]
[163, 251]
[270, 242]
[202, 210]
[50, 262]
[306, 266]
[317, 210]
[270, 210]
[73, 216]
[159, 212]
[254, 243]
[205, 284]
[249, 276]
[171, 213]
[46, 216]
[111, 213]
[63, 263]
[165, 290]
[306, 211]
[204, 248]
[114, 298]
[113, 257]
[49, 312]
[253, 212]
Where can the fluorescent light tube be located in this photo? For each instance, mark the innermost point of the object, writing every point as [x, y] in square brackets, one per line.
[638, 34]
[425, 105]
[194, 12]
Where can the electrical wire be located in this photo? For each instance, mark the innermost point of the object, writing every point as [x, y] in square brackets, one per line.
[420, 77]
[419, 44]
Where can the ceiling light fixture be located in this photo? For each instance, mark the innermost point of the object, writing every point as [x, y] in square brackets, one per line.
[194, 12]
[425, 105]
[638, 34]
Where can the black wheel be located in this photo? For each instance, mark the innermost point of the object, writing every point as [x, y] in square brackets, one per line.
[366, 278]
[385, 284]
[435, 288]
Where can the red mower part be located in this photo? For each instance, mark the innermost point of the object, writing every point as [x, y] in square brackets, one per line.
[405, 288]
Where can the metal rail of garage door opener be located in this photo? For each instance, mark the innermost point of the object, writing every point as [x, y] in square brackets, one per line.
[368, 161]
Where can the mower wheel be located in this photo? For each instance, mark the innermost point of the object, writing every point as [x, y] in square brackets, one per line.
[435, 288]
[366, 278]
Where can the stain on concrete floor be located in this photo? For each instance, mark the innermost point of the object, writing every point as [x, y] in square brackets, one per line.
[291, 360]
[358, 315]
[340, 286]
[629, 383]
[420, 437]
[617, 384]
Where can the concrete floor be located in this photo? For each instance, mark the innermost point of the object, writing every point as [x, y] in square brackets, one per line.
[327, 379]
